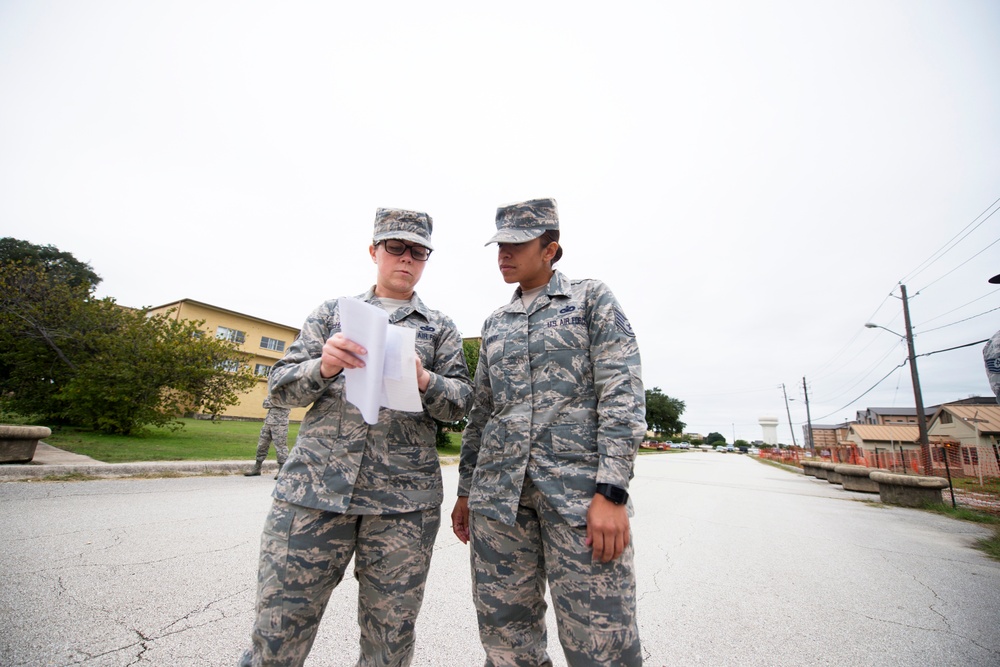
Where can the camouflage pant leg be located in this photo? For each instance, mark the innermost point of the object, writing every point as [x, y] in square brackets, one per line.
[508, 575]
[279, 436]
[594, 602]
[393, 557]
[303, 555]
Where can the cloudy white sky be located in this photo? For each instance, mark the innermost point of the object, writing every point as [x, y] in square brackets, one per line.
[752, 179]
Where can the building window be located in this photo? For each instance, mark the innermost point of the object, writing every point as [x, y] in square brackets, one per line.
[970, 456]
[272, 344]
[939, 454]
[946, 418]
[229, 366]
[262, 370]
[233, 335]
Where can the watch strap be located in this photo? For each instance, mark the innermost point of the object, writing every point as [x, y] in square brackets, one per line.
[615, 494]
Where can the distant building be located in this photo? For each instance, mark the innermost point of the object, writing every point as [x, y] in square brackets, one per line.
[826, 436]
[264, 342]
[892, 416]
[887, 446]
[969, 432]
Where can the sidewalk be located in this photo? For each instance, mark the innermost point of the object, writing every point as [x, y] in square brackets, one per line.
[50, 461]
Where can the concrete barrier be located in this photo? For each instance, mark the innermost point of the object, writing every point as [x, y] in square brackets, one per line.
[857, 478]
[825, 470]
[18, 443]
[809, 467]
[908, 490]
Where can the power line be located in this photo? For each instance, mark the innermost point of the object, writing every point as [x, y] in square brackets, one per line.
[957, 347]
[959, 308]
[865, 392]
[871, 369]
[927, 263]
[904, 362]
[944, 326]
[960, 265]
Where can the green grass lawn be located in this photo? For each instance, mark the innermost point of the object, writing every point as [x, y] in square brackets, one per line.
[198, 440]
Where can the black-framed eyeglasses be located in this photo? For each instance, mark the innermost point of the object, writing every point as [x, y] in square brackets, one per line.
[397, 247]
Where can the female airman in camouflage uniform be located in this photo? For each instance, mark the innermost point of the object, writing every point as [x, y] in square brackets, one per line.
[275, 429]
[351, 489]
[547, 456]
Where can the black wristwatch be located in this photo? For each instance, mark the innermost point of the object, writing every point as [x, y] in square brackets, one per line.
[615, 494]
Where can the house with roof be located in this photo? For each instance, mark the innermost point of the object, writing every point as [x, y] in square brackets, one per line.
[826, 436]
[262, 341]
[892, 416]
[967, 432]
[890, 447]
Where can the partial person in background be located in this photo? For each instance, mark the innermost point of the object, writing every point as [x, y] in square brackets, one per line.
[350, 489]
[991, 355]
[275, 429]
[547, 456]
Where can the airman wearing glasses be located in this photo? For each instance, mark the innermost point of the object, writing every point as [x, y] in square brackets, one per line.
[349, 489]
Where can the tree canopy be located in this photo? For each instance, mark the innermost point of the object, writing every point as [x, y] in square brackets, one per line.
[713, 438]
[68, 358]
[470, 348]
[663, 413]
[59, 266]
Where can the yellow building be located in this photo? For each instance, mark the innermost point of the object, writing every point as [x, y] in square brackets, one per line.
[263, 341]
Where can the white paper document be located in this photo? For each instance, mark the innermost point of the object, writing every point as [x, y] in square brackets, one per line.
[389, 378]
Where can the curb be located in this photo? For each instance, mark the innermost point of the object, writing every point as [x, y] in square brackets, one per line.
[27, 471]
[10, 473]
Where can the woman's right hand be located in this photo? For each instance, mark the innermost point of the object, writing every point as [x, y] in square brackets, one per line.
[339, 352]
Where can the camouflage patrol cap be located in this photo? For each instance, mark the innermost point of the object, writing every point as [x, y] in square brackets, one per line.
[396, 223]
[524, 221]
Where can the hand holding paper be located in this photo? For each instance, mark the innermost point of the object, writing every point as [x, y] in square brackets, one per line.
[389, 377]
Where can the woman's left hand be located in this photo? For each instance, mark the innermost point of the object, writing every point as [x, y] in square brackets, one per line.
[423, 377]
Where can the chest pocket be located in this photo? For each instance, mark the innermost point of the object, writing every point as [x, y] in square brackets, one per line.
[562, 364]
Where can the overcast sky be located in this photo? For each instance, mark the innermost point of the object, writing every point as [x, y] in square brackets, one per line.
[752, 179]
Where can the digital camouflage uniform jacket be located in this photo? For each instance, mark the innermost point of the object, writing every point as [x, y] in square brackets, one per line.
[275, 416]
[340, 463]
[559, 396]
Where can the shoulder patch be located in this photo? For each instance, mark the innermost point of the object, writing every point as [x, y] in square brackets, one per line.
[621, 322]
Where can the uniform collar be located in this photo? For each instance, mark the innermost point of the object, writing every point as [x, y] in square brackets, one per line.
[415, 305]
[558, 286]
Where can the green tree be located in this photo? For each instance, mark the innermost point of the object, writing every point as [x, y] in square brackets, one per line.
[713, 438]
[72, 359]
[663, 413]
[59, 266]
[471, 350]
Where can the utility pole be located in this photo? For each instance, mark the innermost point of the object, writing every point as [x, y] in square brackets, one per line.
[789, 413]
[925, 446]
[809, 424]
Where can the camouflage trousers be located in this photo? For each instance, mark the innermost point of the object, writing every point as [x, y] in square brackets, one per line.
[595, 602]
[304, 553]
[279, 436]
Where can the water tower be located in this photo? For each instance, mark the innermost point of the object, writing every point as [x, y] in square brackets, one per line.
[770, 427]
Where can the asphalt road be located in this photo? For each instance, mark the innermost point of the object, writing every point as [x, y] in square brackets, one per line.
[739, 563]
